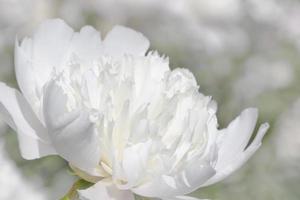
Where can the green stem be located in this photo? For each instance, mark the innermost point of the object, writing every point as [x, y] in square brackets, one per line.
[78, 185]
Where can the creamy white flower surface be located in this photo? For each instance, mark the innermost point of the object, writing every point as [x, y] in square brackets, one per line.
[119, 115]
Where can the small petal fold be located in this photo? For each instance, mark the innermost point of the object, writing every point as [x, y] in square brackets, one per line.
[183, 198]
[187, 181]
[102, 192]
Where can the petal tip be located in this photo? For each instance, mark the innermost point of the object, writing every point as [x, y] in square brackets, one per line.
[123, 40]
[261, 132]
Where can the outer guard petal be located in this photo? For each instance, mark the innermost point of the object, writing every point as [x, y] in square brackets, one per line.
[36, 58]
[50, 48]
[236, 136]
[15, 111]
[32, 148]
[72, 133]
[238, 132]
[121, 40]
[87, 44]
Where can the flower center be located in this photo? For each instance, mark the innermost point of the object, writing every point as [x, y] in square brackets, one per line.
[138, 107]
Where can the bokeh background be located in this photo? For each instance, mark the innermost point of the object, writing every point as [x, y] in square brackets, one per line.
[244, 53]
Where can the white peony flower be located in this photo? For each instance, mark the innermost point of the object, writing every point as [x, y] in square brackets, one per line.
[119, 116]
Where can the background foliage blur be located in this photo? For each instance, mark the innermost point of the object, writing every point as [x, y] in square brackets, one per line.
[243, 52]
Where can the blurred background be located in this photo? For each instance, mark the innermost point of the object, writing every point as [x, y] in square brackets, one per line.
[244, 53]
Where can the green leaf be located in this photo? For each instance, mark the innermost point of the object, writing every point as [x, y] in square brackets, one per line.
[78, 185]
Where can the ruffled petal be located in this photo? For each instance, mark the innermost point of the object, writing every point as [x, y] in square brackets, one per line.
[233, 152]
[101, 192]
[148, 78]
[121, 40]
[72, 133]
[32, 135]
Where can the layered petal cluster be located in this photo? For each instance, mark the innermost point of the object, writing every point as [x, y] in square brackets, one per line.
[120, 117]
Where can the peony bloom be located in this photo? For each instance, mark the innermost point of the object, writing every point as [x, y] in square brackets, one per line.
[120, 117]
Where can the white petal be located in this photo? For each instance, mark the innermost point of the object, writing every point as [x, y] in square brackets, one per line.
[72, 133]
[33, 138]
[50, 43]
[121, 40]
[148, 78]
[101, 192]
[236, 136]
[183, 198]
[86, 44]
[235, 159]
[195, 174]
[51, 47]
[37, 57]
[25, 71]
[32, 148]
[170, 186]
[135, 161]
